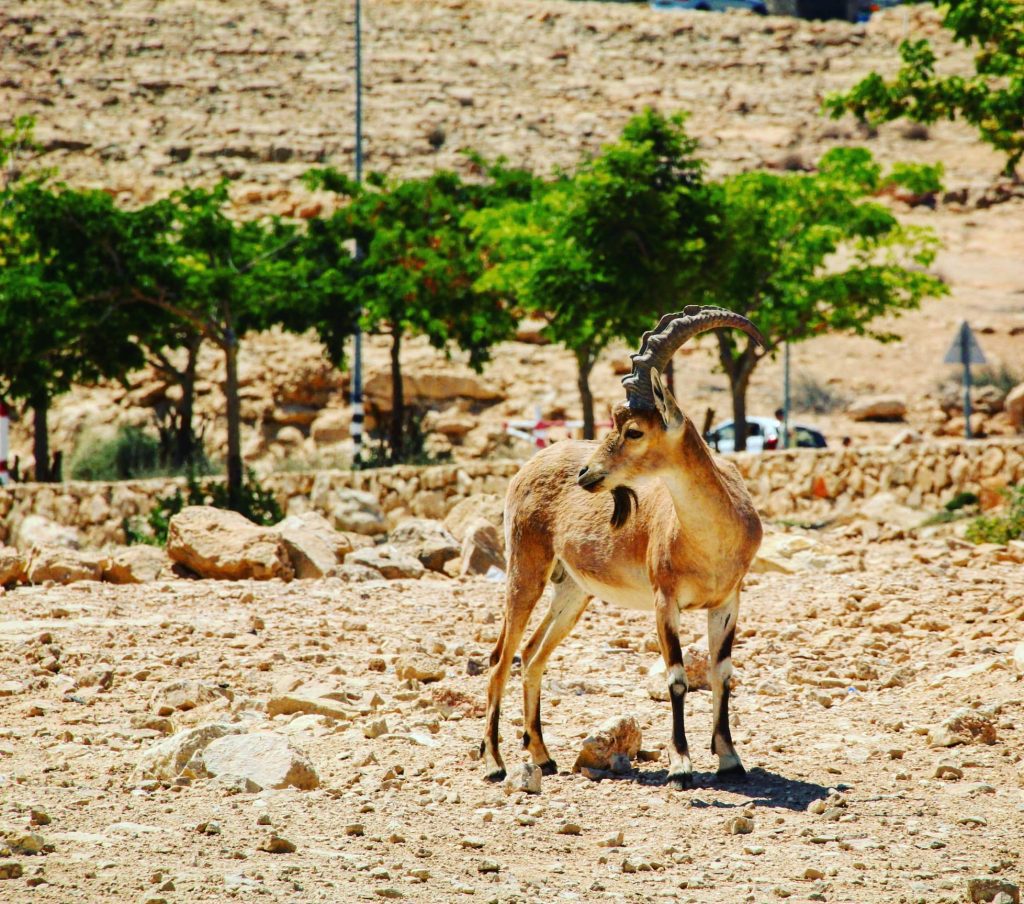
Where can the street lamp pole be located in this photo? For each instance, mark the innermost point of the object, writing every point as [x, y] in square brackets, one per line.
[357, 357]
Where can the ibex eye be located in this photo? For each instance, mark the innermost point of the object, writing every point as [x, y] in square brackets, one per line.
[633, 434]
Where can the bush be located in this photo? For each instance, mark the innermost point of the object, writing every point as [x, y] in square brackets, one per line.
[128, 454]
[1000, 528]
[258, 505]
[810, 394]
[1002, 378]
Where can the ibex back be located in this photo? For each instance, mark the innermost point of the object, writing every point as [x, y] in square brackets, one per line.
[647, 519]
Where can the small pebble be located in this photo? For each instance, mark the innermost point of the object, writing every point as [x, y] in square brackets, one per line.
[739, 825]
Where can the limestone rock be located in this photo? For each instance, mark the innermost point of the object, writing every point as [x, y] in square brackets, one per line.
[12, 566]
[487, 506]
[878, 408]
[525, 777]
[964, 726]
[63, 565]
[428, 541]
[264, 758]
[186, 694]
[481, 548]
[357, 511]
[305, 702]
[885, 509]
[166, 760]
[215, 543]
[389, 561]
[1014, 407]
[35, 530]
[1018, 657]
[331, 426]
[419, 666]
[135, 565]
[314, 546]
[617, 735]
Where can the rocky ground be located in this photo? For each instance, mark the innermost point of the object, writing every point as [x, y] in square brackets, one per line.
[140, 97]
[846, 672]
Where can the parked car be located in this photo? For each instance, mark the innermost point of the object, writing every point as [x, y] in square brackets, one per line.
[764, 433]
[756, 6]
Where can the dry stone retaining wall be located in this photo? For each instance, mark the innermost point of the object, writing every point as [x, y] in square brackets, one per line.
[804, 483]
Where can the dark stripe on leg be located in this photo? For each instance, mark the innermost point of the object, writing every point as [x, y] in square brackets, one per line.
[678, 697]
[722, 722]
[725, 651]
[492, 728]
[526, 740]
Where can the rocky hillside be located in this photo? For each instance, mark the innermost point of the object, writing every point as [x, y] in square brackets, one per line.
[141, 97]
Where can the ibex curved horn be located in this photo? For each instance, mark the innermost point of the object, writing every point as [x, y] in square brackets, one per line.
[658, 345]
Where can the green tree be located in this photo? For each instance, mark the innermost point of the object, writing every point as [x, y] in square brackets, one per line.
[62, 257]
[991, 100]
[397, 251]
[805, 254]
[600, 254]
[221, 278]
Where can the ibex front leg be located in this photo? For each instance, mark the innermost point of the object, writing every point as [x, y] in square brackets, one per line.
[721, 631]
[680, 770]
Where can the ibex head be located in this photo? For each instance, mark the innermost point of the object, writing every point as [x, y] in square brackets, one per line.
[648, 424]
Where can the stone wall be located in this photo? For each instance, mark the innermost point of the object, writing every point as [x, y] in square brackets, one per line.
[811, 484]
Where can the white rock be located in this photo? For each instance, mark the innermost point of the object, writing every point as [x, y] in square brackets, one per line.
[524, 777]
[166, 760]
[264, 758]
[215, 543]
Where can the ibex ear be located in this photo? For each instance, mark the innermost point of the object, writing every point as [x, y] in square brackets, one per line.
[671, 416]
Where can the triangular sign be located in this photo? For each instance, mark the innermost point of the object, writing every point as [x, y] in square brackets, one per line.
[965, 348]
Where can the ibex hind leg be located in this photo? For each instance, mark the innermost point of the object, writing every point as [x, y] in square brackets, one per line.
[567, 605]
[721, 631]
[528, 573]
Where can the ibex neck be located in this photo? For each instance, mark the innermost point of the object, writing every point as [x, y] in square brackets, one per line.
[698, 491]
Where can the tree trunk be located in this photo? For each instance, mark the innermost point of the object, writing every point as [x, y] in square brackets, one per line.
[397, 427]
[185, 441]
[585, 363]
[41, 436]
[234, 412]
[738, 385]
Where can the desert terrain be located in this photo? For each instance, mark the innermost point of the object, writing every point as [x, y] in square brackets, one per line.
[854, 670]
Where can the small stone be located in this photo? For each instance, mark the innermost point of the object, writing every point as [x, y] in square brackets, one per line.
[275, 844]
[25, 842]
[389, 892]
[619, 764]
[616, 839]
[813, 873]
[617, 735]
[38, 817]
[11, 869]
[739, 825]
[948, 771]
[986, 889]
[263, 819]
[420, 667]
[355, 829]
[473, 843]
[570, 828]
[524, 777]
[210, 828]
[817, 807]
[375, 729]
[488, 866]
[264, 758]
[964, 726]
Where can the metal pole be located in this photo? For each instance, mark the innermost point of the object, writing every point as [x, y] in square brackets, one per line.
[965, 356]
[4, 422]
[785, 398]
[357, 357]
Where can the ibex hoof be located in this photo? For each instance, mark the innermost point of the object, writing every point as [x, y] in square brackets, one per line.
[681, 781]
[733, 774]
[549, 768]
[496, 775]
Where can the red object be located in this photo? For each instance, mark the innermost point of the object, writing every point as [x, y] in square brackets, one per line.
[771, 442]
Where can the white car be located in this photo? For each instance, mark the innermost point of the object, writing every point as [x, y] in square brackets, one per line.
[764, 433]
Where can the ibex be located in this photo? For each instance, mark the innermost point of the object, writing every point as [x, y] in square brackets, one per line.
[675, 530]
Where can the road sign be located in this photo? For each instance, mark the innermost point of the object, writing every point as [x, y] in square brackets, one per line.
[966, 351]
[965, 348]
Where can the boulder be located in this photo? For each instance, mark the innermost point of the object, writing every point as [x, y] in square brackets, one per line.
[964, 726]
[487, 506]
[330, 427]
[215, 543]
[420, 666]
[357, 511]
[62, 565]
[392, 563]
[1014, 406]
[878, 408]
[263, 758]
[186, 694]
[433, 384]
[886, 509]
[426, 540]
[481, 548]
[618, 736]
[135, 565]
[12, 566]
[35, 530]
[696, 662]
[314, 547]
[166, 760]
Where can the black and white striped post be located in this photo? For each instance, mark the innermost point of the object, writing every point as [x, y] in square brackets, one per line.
[357, 357]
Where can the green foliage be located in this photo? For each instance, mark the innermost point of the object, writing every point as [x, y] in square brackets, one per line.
[601, 253]
[917, 178]
[1000, 527]
[258, 505]
[128, 454]
[802, 254]
[991, 99]
[1002, 377]
[961, 500]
